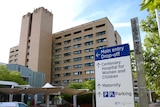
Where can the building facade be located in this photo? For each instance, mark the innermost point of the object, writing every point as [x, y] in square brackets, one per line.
[66, 56]
[35, 45]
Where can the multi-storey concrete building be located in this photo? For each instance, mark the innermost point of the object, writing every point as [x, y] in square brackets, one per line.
[66, 56]
[35, 46]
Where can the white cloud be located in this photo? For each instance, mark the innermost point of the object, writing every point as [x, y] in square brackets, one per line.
[11, 11]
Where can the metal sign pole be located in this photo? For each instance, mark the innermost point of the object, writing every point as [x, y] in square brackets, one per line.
[143, 99]
[158, 20]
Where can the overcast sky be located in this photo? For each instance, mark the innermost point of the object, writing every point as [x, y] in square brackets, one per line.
[66, 14]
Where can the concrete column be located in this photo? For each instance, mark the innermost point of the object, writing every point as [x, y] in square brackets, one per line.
[35, 99]
[47, 100]
[150, 96]
[22, 97]
[93, 99]
[10, 97]
[74, 100]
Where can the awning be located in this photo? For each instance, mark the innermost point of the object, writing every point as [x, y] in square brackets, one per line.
[10, 90]
[43, 90]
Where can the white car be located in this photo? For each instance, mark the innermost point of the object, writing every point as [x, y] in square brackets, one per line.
[12, 104]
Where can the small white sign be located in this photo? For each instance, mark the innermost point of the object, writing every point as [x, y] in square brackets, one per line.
[114, 85]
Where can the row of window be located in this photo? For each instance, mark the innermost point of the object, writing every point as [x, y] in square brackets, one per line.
[14, 51]
[74, 80]
[13, 56]
[80, 38]
[79, 45]
[13, 60]
[75, 59]
[87, 29]
[75, 73]
[74, 66]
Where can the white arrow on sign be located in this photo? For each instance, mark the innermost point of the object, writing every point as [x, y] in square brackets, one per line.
[97, 54]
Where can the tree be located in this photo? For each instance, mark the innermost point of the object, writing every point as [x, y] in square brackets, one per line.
[150, 5]
[86, 85]
[133, 65]
[7, 75]
[85, 98]
[151, 52]
[75, 85]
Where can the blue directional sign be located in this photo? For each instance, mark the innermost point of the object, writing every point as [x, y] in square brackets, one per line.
[112, 52]
[112, 66]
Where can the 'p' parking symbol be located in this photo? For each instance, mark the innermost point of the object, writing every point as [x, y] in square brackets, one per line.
[108, 94]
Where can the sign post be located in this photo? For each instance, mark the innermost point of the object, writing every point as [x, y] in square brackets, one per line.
[142, 92]
[114, 85]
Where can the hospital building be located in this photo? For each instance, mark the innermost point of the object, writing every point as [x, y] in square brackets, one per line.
[65, 56]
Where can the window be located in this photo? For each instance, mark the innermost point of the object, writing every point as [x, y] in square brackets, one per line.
[78, 73]
[67, 54]
[101, 40]
[66, 67]
[57, 62]
[27, 60]
[57, 75]
[66, 81]
[88, 36]
[58, 37]
[78, 52]
[25, 78]
[78, 59]
[89, 50]
[89, 64]
[67, 60]
[67, 74]
[77, 39]
[89, 57]
[12, 52]
[58, 56]
[11, 56]
[98, 26]
[67, 35]
[77, 80]
[57, 68]
[101, 33]
[88, 79]
[58, 50]
[77, 45]
[58, 44]
[67, 48]
[89, 71]
[78, 66]
[57, 82]
[88, 29]
[77, 32]
[67, 42]
[88, 43]
[101, 47]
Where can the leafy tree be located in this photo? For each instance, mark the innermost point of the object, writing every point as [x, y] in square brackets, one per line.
[86, 98]
[75, 85]
[86, 85]
[133, 65]
[90, 85]
[151, 52]
[150, 5]
[14, 76]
